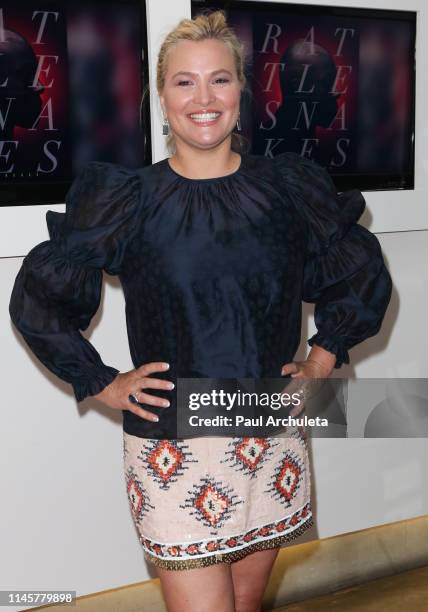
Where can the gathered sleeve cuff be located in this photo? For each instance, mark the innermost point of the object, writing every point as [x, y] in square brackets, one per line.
[58, 289]
[344, 272]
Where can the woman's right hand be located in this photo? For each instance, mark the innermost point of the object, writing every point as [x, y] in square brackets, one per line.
[116, 394]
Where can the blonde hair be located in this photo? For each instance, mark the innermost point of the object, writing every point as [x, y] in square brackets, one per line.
[206, 25]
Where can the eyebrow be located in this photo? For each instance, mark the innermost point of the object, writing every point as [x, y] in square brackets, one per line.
[194, 73]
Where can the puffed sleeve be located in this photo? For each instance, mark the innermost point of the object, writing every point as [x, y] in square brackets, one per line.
[58, 288]
[344, 271]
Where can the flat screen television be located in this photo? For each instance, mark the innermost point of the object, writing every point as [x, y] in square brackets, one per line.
[72, 75]
[335, 84]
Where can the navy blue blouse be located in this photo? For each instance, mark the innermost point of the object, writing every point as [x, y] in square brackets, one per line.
[213, 271]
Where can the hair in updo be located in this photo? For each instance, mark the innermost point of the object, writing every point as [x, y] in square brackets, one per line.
[206, 25]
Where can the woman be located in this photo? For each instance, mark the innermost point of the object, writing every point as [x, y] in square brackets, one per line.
[215, 251]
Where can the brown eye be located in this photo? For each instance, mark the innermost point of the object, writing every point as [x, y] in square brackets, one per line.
[183, 83]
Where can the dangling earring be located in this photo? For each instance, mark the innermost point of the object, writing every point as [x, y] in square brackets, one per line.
[238, 122]
[165, 126]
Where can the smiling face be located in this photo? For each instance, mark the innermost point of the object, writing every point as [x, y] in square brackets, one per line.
[201, 93]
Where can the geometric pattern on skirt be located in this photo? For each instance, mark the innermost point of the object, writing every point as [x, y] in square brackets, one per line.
[209, 500]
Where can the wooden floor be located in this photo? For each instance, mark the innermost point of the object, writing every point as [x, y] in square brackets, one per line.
[405, 592]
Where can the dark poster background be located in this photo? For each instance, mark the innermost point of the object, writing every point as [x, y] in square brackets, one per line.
[34, 101]
[106, 42]
[71, 80]
[334, 84]
[306, 87]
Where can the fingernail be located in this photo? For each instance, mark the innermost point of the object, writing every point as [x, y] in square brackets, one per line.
[171, 386]
[155, 419]
[165, 403]
[166, 366]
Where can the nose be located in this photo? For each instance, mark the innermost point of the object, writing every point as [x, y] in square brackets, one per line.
[203, 93]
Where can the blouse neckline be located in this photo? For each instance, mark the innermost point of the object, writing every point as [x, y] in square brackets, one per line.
[212, 179]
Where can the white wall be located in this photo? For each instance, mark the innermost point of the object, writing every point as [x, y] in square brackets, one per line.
[65, 521]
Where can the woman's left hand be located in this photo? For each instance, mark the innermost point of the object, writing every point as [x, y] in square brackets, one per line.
[303, 369]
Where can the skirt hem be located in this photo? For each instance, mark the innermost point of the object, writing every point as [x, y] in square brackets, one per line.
[229, 557]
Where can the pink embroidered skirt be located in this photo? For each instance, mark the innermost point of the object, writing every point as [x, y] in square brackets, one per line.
[211, 500]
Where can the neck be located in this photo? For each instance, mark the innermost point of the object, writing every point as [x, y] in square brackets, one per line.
[205, 163]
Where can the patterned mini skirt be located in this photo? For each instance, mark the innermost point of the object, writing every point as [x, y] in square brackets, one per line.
[203, 500]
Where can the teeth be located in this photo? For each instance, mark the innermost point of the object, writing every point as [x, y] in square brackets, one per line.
[204, 116]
